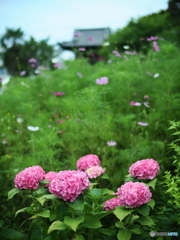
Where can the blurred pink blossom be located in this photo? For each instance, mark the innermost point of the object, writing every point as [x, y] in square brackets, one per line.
[111, 143]
[69, 184]
[29, 178]
[146, 104]
[22, 73]
[143, 124]
[32, 60]
[82, 49]
[155, 46]
[87, 161]
[134, 194]
[116, 53]
[77, 34]
[152, 38]
[144, 169]
[112, 203]
[130, 53]
[102, 81]
[95, 171]
[56, 64]
[146, 96]
[133, 103]
[58, 93]
[90, 38]
[60, 121]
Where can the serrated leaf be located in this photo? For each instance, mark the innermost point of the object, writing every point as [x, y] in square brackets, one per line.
[152, 183]
[91, 222]
[12, 192]
[143, 209]
[124, 234]
[151, 203]
[44, 214]
[57, 225]
[26, 209]
[146, 221]
[122, 212]
[73, 223]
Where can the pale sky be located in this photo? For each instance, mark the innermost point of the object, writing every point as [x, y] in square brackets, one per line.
[57, 19]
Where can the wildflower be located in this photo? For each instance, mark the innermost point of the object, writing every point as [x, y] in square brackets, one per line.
[152, 38]
[32, 60]
[49, 176]
[58, 93]
[111, 143]
[56, 64]
[142, 124]
[146, 104]
[33, 65]
[146, 96]
[156, 47]
[82, 49]
[31, 128]
[130, 53]
[95, 171]
[87, 162]
[133, 103]
[102, 81]
[69, 184]
[90, 38]
[60, 121]
[29, 178]
[19, 120]
[116, 53]
[134, 194]
[112, 203]
[22, 73]
[144, 169]
[156, 75]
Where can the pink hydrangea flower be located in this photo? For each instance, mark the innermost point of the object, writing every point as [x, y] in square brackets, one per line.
[144, 169]
[102, 81]
[112, 203]
[29, 178]
[134, 194]
[49, 176]
[69, 184]
[87, 162]
[95, 171]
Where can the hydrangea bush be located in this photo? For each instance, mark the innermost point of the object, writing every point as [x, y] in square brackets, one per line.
[69, 206]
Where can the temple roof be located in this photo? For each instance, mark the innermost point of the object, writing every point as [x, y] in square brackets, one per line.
[87, 38]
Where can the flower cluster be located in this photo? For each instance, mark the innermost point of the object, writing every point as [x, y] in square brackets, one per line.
[49, 176]
[29, 178]
[134, 194]
[87, 162]
[69, 184]
[95, 171]
[144, 169]
[112, 203]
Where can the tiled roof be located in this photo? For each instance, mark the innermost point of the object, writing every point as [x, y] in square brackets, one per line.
[87, 38]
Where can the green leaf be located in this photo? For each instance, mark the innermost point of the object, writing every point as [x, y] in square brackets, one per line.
[12, 192]
[119, 225]
[73, 223]
[136, 230]
[143, 209]
[106, 191]
[44, 214]
[78, 204]
[45, 181]
[122, 212]
[26, 209]
[105, 176]
[79, 237]
[57, 225]
[151, 203]
[43, 198]
[95, 192]
[91, 222]
[11, 234]
[124, 234]
[152, 183]
[146, 221]
[106, 231]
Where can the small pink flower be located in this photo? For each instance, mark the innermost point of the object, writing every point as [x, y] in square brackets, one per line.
[32, 60]
[33, 65]
[22, 73]
[133, 103]
[102, 81]
[111, 143]
[29, 178]
[95, 171]
[82, 49]
[49, 176]
[146, 104]
[134, 194]
[116, 53]
[58, 93]
[152, 38]
[112, 203]
[77, 34]
[144, 169]
[60, 121]
[143, 124]
[90, 38]
[155, 46]
[69, 184]
[146, 96]
[87, 162]
[56, 64]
